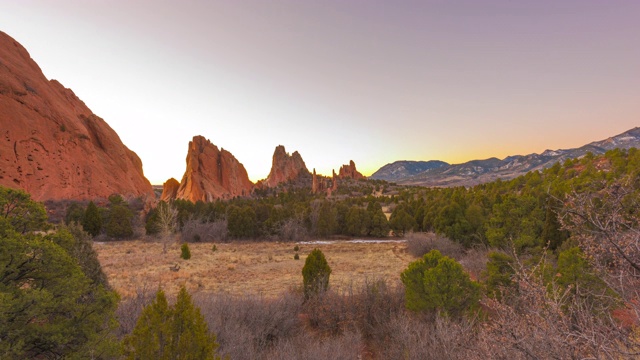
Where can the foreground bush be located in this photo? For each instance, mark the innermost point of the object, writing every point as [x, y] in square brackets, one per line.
[315, 274]
[177, 332]
[437, 283]
[54, 301]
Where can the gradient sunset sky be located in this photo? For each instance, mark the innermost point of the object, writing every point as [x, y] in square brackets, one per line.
[372, 81]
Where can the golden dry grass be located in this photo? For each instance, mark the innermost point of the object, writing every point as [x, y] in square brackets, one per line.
[266, 268]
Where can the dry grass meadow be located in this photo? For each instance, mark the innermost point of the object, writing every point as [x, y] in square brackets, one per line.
[244, 268]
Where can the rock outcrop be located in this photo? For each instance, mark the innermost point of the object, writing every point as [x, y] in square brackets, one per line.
[334, 181]
[320, 184]
[52, 145]
[349, 172]
[285, 168]
[212, 174]
[170, 190]
[315, 185]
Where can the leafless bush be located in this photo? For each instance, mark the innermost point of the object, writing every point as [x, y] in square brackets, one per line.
[366, 309]
[293, 230]
[130, 309]
[377, 303]
[196, 231]
[605, 224]
[604, 221]
[247, 327]
[419, 244]
[330, 312]
[539, 320]
[474, 261]
[411, 337]
[138, 231]
[308, 347]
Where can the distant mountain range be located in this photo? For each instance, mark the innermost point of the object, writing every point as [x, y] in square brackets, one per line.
[440, 174]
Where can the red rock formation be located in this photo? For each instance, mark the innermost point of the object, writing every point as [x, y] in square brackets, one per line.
[334, 181]
[350, 172]
[285, 167]
[212, 174]
[170, 190]
[314, 182]
[52, 145]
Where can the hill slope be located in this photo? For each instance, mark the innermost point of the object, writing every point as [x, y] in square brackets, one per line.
[480, 171]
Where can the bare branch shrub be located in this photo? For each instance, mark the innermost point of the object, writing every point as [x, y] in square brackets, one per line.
[293, 229]
[129, 310]
[413, 338]
[166, 224]
[366, 308]
[605, 224]
[196, 231]
[419, 244]
[474, 261]
[541, 321]
[308, 347]
[248, 326]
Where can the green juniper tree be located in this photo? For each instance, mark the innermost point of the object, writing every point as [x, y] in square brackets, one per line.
[439, 283]
[119, 224]
[185, 253]
[315, 274]
[54, 301]
[171, 332]
[92, 221]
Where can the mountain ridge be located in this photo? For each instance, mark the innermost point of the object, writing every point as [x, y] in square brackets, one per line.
[479, 171]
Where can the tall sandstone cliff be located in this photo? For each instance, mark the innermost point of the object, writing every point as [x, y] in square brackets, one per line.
[285, 167]
[51, 144]
[212, 174]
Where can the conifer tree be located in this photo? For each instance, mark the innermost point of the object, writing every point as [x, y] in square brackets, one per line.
[171, 332]
[119, 224]
[439, 283]
[185, 253]
[54, 299]
[92, 221]
[150, 337]
[315, 273]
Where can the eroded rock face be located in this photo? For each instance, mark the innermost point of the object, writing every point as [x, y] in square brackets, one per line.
[315, 185]
[52, 145]
[349, 172]
[212, 174]
[319, 183]
[285, 167]
[169, 190]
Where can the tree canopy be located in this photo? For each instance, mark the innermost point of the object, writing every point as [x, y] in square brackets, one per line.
[49, 306]
[171, 332]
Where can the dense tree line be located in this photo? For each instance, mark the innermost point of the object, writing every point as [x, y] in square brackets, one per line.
[522, 212]
[115, 220]
[276, 215]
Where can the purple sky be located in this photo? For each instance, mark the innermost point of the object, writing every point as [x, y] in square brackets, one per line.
[370, 81]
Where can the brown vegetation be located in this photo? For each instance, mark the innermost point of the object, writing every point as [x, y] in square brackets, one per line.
[266, 268]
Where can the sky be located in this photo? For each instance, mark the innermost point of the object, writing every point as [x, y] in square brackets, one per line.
[370, 81]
